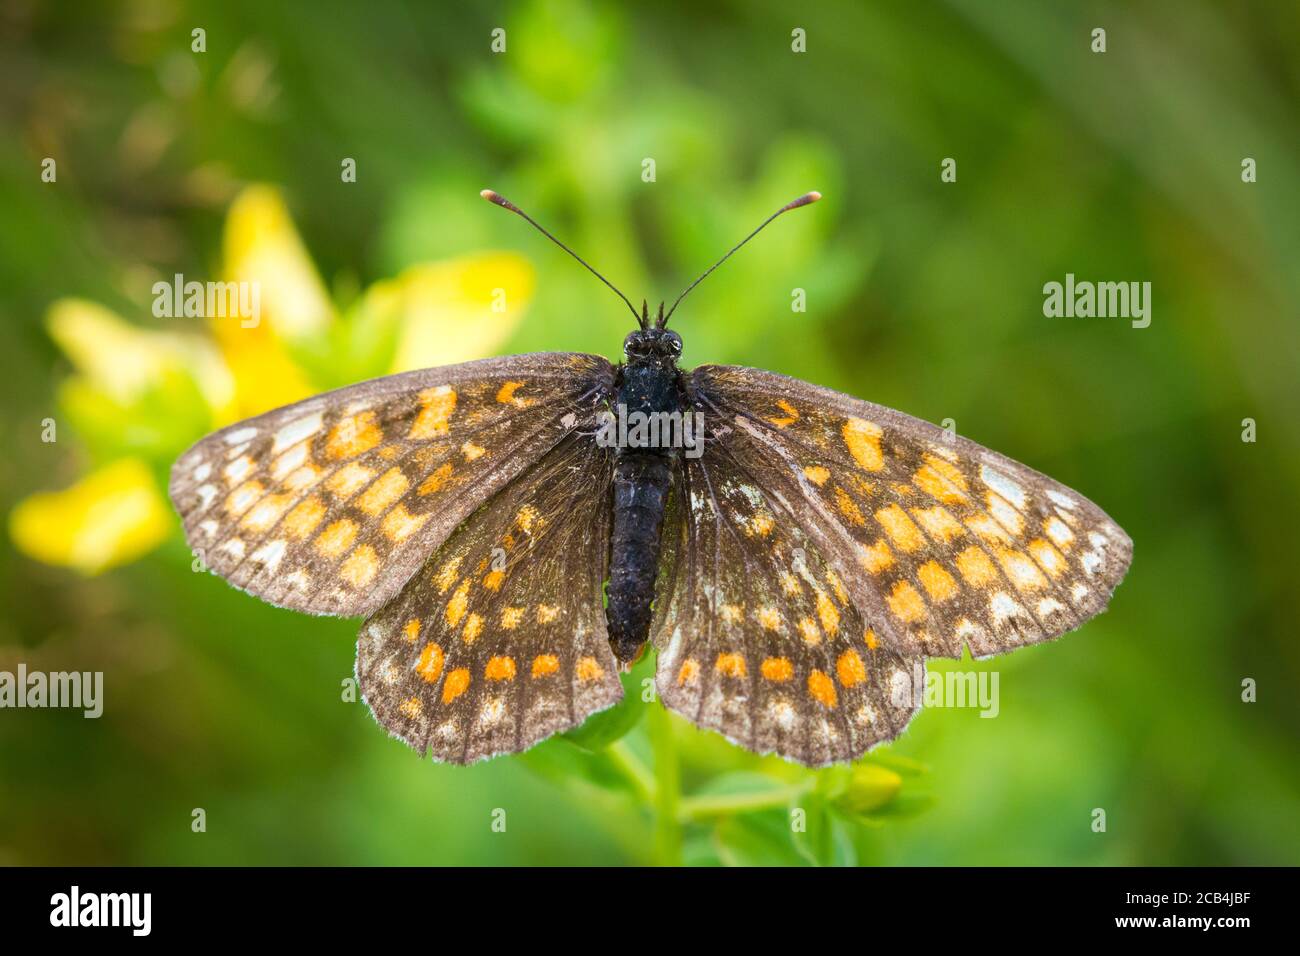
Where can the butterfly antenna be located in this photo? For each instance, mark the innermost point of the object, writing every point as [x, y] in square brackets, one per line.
[805, 200]
[504, 203]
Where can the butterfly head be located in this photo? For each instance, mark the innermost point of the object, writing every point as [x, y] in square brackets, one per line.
[652, 343]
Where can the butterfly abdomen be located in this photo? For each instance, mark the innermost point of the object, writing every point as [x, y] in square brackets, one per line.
[642, 479]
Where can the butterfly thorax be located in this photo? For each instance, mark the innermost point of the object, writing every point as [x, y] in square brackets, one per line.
[648, 390]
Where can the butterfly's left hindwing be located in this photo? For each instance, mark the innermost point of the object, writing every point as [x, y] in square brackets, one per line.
[757, 636]
[499, 640]
[331, 504]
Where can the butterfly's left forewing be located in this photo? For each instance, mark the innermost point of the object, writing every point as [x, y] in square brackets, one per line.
[942, 543]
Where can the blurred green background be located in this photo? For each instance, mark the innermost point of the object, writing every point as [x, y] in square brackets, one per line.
[921, 295]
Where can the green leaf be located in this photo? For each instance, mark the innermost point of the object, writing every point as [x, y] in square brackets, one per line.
[757, 839]
[604, 727]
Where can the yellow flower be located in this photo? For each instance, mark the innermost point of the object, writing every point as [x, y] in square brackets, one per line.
[139, 397]
[110, 517]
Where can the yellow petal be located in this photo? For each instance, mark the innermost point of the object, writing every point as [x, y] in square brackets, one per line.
[110, 517]
[262, 246]
[123, 360]
[456, 310]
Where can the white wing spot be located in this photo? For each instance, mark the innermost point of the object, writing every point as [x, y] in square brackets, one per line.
[241, 435]
[1004, 486]
[1065, 501]
[201, 473]
[294, 432]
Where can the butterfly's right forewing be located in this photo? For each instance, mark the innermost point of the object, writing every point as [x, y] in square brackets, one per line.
[330, 505]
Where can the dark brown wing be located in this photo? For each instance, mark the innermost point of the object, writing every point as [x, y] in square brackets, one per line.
[757, 636]
[499, 640]
[939, 541]
[331, 504]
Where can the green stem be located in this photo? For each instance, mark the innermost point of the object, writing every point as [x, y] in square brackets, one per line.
[637, 773]
[668, 832]
[720, 805]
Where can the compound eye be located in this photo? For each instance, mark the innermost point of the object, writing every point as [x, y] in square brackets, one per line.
[675, 343]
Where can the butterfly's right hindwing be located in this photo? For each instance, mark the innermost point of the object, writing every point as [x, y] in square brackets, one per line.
[499, 640]
[331, 504]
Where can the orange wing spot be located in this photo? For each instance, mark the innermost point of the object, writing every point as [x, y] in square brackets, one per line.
[242, 498]
[389, 452]
[939, 523]
[546, 613]
[302, 520]
[412, 630]
[822, 688]
[472, 451]
[761, 524]
[876, 557]
[776, 669]
[493, 580]
[837, 586]
[790, 584]
[769, 617]
[266, 512]
[870, 639]
[938, 583]
[436, 406]
[390, 486]
[589, 669]
[791, 414]
[446, 575]
[1059, 532]
[511, 616]
[817, 474]
[473, 628]
[988, 529]
[411, 707]
[436, 480]
[900, 528]
[399, 524]
[1048, 557]
[528, 519]
[544, 664]
[902, 490]
[941, 479]
[850, 669]
[353, 435]
[349, 479]
[905, 603]
[458, 604]
[457, 683]
[500, 668]
[506, 396]
[1005, 514]
[429, 666]
[862, 438]
[730, 665]
[974, 565]
[689, 670]
[361, 567]
[848, 507]
[827, 613]
[1022, 571]
[808, 631]
[732, 613]
[337, 538]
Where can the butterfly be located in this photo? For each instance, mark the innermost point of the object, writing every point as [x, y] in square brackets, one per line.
[792, 558]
